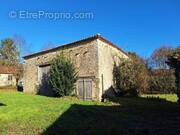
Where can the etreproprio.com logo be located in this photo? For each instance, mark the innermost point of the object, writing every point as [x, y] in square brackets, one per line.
[22, 14]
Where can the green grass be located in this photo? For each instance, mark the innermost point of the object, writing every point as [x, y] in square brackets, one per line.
[27, 114]
[168, 97]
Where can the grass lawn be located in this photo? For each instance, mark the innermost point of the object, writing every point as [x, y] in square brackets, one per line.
[168, 97]
[27, 114]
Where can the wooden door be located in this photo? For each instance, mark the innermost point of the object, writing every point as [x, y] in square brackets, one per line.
[88, 89]
[43, 75]
[85, 89]
[81, 88]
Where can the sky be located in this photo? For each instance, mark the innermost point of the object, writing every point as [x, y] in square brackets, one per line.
[140, 26]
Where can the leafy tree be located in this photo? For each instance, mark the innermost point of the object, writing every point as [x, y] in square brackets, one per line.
[162, 81]
[10, 56]
[62, 77]
[142, 69]
[9, 53]
[174, 62]
[131, 76]
[162, 78]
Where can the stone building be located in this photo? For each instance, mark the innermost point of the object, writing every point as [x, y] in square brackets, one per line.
[93, 57]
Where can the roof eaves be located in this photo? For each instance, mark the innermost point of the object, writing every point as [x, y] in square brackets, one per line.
[58, 47]
[97, 36]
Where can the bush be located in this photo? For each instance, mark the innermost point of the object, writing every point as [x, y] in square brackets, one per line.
[126, 83]
[162, 78]
[174, 62]
[130, 76]
[62, 76]
[162, 81]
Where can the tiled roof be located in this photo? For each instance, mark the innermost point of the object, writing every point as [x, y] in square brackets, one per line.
[7, 70]
[97, 36]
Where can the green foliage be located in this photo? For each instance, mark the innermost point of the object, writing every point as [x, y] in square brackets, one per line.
[162, 78]
[162, 81]
[131, 76]
[125, 80]
[174, 62]
[9, 52]
[62, 76]
[174, 58]
[10, 56]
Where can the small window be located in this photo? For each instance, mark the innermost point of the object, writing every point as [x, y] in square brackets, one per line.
[85, 53]
[9, 77]
[77, 54]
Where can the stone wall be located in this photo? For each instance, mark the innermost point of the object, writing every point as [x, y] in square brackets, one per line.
[93, 59]
[107, 56]
[84, 55]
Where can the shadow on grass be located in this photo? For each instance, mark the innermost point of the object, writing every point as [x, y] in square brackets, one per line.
[141, 116]
[1, 104]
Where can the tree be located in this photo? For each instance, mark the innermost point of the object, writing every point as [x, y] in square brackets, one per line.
[21, 44]
[9, 53]
[131, 76]
[174, 62]
[162, 78]
[162, 81]
[47, 46]
[159, 57]
[62, 77]
[142, 72]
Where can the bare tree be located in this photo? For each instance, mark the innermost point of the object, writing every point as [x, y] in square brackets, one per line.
[47, 46]
[159, 57]
[23, 46]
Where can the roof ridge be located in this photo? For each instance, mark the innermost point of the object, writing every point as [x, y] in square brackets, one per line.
[96, 36]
